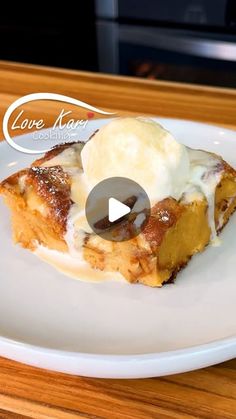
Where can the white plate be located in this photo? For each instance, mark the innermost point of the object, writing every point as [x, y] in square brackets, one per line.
[114, 329]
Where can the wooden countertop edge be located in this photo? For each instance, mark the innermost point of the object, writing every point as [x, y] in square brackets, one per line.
[62, 72]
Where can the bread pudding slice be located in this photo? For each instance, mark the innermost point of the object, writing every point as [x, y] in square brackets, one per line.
[39, 199]
[175, 232]
[41, 203]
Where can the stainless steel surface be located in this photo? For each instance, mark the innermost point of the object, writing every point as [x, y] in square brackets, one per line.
[174, 41]
[108, 47]
[106, 8]
[197, 12]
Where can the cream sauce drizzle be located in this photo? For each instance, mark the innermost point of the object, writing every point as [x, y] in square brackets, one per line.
[73, 266]
[205, 174]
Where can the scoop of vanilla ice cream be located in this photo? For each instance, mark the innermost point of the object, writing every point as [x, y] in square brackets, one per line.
[139, 149]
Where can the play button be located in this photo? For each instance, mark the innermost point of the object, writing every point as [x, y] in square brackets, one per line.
[117, 209]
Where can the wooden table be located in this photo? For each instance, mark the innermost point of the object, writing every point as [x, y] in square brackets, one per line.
[30, 392]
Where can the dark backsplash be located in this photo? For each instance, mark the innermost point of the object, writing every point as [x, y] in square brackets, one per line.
[63, 37]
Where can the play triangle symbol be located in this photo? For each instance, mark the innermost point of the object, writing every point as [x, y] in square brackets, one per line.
[117, 209]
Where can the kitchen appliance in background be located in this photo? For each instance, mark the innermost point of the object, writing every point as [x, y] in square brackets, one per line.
[185, 40]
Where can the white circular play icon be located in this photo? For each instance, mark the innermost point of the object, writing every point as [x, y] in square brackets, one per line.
[117, 209]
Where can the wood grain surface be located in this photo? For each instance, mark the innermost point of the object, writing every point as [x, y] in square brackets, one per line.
[30, 392]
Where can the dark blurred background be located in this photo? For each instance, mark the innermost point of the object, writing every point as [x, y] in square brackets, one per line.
[191, 41]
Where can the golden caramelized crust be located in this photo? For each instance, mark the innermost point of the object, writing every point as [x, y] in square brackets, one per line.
[163, 216]
[31, 220]
[53, 186]
[40, 200]
[12, 182]
[45, 189]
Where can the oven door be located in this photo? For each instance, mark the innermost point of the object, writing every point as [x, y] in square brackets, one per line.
[167, 54]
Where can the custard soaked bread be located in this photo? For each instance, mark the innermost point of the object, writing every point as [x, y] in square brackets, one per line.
[175, 232]
[192, 199]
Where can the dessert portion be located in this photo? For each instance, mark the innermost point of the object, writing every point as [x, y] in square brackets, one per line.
[192, 195]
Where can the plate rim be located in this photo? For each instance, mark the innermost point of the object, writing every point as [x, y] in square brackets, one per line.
[129, 366]
[216, 351]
